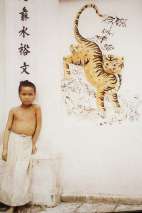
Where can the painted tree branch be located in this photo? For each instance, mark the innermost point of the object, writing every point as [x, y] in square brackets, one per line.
[111, 22]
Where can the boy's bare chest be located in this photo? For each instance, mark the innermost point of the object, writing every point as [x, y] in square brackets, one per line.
[24, 115]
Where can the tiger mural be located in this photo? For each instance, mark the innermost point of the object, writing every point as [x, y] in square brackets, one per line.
[103, 72]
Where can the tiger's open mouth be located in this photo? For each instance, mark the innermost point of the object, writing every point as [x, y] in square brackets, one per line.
[110, 71]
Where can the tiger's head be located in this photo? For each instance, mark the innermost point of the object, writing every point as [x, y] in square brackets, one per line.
[113, 64]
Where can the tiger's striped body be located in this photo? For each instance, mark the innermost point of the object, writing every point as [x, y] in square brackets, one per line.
[89, 55]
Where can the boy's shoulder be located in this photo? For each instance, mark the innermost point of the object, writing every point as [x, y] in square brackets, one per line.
[36, 106]
[14, 109]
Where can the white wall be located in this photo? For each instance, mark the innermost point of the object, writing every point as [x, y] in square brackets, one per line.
[2, 61]
[96, 159]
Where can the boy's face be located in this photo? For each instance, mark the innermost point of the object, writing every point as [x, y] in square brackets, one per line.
[27, 95]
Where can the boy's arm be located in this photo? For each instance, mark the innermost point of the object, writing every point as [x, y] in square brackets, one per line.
[38, 128]
[6, 135]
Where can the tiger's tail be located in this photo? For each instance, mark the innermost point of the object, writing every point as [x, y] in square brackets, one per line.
[77, 34]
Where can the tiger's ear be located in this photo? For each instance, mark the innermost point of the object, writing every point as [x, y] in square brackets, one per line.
[120, 58]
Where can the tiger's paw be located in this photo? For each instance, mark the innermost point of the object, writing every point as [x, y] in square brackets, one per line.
[67, 75]
[102, 113]
[118, 110]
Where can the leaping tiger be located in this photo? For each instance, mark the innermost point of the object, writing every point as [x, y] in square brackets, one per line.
[103, 72]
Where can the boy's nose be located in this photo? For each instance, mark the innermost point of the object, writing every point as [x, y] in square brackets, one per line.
[26, 98]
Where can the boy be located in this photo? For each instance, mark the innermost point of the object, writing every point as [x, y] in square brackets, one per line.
[19, 142]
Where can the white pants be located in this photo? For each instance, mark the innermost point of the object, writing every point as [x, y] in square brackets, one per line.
[16, 179]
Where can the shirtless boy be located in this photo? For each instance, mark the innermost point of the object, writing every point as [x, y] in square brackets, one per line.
[19, 142]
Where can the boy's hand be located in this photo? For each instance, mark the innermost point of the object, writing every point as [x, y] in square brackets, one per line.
[4, 155]
[34, 149]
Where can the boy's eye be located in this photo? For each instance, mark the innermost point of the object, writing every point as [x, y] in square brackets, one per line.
[30, 94]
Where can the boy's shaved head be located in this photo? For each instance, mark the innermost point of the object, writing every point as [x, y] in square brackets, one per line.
[26, 83]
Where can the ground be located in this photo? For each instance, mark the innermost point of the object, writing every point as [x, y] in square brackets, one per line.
[80, 208]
